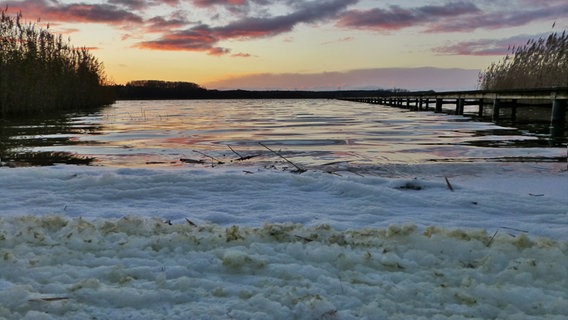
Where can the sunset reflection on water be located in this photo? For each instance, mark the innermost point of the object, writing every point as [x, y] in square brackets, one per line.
[311, 132]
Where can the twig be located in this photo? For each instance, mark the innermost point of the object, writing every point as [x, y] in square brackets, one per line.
[241, 158]
[192, 161]
[491, 240]
[210, 157]
[515, 229]
[49, 299]
[449, 184]
[304, 238]
[298, 169]
[238, 154]
[191, 223]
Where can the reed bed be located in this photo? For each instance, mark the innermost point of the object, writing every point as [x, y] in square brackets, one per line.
[42, 72]
[541, 63]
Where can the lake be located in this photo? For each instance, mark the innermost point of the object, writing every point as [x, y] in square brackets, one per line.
[305, 132]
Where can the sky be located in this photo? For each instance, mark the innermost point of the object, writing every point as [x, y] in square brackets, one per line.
[297, 44]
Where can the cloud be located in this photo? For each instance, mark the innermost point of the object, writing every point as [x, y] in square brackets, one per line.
[455, 16]
[160, 24]
[210, 3]
[241, 55]
[387, 78]
[345, 39]
[54, 11]
[396, 17]
[517, 16]
[205, 38]
[131, 4]
[485, 47]
[198, 38]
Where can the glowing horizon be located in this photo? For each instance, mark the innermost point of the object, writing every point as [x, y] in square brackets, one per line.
[269, 44]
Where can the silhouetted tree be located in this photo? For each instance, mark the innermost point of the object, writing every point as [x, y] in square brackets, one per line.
[39, 71]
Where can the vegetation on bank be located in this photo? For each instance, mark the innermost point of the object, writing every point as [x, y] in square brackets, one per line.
[541, 63]
[40, 72]
[160, 90]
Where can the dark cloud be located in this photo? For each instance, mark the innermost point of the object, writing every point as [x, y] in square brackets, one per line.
[519, 16]
[131, 4]
[455, 16]
[162, 24]
[397, 17]
[205, 38]
[210, 3]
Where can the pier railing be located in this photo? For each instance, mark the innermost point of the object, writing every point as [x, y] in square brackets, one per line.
[553, 99]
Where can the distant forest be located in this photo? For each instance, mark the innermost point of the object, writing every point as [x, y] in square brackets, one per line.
[541, 63]
[160, 90]
[41, 73]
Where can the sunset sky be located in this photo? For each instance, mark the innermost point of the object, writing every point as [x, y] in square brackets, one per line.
[296, 44]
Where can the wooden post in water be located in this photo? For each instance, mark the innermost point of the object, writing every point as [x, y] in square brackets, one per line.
[558, 111]
[439, 102]
[480, 111]
[558, 117]
[496, 109]
[460, 106]
[514, 110]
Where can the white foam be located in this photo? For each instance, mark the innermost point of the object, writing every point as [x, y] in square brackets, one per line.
[87, 242]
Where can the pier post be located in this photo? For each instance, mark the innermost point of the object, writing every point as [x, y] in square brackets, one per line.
[514, 110]
[496, 109]
[460, 106]
[558, 111]
[480, 111]
[558, 117]
[439, 102]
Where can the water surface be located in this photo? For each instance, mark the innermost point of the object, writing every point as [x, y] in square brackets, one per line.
[306, 132]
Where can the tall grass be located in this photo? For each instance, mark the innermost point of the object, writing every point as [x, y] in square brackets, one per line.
[40, 72]
[539, 63]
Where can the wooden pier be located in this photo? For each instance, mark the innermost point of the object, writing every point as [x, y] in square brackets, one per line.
[554, 100]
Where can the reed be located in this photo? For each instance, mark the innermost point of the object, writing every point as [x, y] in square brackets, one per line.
[41, 72]
[541, 63]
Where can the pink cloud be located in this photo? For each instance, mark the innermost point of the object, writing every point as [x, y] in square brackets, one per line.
[98, 13]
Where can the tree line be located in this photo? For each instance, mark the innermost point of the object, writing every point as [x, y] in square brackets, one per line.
[158, 90]
[41, 72]
[541, 63]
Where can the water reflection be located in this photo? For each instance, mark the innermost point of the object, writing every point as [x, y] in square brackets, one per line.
[311, 132]
[35, 141]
